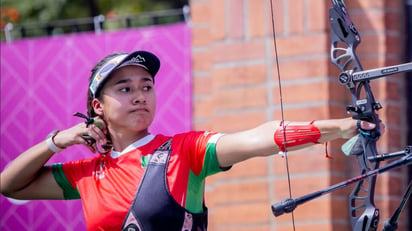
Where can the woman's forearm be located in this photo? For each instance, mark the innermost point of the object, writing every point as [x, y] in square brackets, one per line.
[259, 141]
[24, 169]
[27, 177]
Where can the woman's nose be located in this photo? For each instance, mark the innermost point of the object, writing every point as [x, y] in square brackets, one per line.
[139, 98]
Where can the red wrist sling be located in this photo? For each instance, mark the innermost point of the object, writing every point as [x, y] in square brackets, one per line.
[293, 135]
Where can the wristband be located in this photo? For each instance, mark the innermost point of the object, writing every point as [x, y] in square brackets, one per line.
[50, 143]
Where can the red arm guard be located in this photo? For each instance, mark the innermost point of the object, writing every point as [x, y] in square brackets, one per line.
[295, 135]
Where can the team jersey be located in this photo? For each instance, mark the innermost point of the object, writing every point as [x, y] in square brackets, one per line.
[107, 184]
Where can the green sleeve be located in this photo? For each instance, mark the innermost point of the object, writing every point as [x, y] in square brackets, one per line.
[196, 183]
[69, 192]
[210, 164]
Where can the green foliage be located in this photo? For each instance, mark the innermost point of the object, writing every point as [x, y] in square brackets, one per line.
[38, 17]
[35, 10]
[40, 11]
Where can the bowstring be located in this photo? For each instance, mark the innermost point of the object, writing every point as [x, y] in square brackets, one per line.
[281, 106]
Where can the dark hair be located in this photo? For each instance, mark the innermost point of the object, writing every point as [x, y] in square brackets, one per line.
[89, 106]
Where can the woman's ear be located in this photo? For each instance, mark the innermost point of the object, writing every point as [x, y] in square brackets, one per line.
[97, 107]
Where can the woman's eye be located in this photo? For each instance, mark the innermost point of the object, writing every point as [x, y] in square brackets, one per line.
[147, 88]
[125, 89]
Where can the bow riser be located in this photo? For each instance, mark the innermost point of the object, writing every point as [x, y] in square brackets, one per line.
[344, 41]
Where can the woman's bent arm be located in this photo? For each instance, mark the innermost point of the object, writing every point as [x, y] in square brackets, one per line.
[27, 177]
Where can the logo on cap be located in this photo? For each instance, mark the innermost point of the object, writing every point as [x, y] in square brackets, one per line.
[137, 59]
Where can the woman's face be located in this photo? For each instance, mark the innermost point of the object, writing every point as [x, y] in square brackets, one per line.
[128, 100]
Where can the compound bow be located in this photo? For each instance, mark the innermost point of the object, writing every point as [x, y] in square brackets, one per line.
[363, 213]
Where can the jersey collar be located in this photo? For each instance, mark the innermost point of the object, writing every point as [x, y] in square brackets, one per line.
[143, 141]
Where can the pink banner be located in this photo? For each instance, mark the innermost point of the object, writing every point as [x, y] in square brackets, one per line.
[44, 81]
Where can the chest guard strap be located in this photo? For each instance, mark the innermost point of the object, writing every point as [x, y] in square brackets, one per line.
[154, 208]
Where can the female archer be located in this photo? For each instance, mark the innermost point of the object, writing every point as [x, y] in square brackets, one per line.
[144, 181]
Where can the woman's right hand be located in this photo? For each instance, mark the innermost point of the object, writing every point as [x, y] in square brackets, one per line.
[74, 135]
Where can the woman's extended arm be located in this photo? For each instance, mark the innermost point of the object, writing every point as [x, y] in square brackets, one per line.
[259, 141]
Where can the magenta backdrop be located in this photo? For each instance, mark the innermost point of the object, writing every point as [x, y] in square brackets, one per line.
[44, 81]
